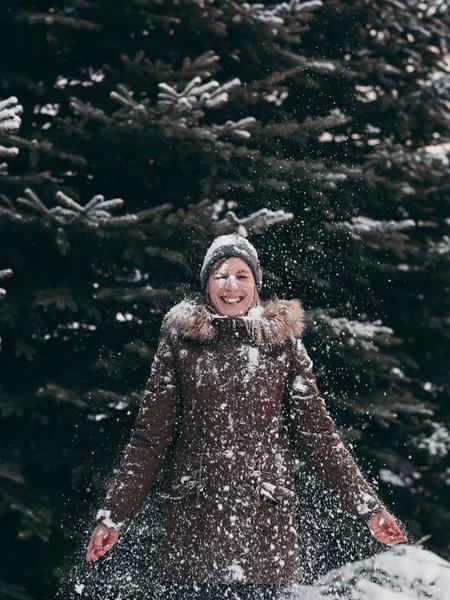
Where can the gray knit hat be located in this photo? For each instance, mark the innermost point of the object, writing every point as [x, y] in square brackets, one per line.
[230, 245]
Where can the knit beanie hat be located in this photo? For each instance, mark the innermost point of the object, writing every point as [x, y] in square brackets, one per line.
[230, 245]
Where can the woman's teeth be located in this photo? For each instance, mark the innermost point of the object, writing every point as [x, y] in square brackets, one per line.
[231, 300]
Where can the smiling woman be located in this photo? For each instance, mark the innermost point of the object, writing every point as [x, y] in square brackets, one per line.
[231, 287]
[231, 397]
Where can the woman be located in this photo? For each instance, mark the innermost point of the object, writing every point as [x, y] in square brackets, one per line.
[231, 392]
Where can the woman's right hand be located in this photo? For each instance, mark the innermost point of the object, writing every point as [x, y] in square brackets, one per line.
[102, 539]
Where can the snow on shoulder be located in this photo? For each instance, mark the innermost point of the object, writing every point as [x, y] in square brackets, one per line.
[401, 573]
[182, 310]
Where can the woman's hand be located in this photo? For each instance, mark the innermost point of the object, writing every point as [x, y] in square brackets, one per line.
[102, 539]
[385, 529]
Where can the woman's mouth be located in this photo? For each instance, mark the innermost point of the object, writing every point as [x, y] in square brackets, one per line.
[232, 299]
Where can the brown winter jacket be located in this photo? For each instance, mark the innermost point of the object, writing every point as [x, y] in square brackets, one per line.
[224, 400]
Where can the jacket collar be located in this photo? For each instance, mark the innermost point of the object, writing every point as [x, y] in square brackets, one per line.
[270, 322]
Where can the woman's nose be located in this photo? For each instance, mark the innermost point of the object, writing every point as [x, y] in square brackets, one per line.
[231, 283]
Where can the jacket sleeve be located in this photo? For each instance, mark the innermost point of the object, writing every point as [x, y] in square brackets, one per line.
[151, 438]
[315, 435]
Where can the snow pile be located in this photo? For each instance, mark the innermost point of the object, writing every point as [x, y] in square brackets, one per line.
[401, 573]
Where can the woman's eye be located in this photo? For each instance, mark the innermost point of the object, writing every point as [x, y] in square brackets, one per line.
[243, 277]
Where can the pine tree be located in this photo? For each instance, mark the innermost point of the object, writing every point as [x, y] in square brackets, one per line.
[9, 124]
[208, 117]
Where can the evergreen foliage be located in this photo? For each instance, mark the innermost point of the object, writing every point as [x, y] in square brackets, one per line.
[318, 129]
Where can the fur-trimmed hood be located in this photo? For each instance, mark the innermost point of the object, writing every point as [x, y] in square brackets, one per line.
[270, 322]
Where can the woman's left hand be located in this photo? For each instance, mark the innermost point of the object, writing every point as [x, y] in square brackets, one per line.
[385, 529]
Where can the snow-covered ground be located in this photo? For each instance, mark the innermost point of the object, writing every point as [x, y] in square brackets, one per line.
[401, 573]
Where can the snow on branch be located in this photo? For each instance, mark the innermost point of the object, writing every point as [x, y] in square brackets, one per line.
[94, 214]
[366, 335]
[436, 443]
[438, 86]
[179, 112]
[235, 128]
[362, 333]
[429, 158]
[4, 274]
[125, 97]
[434, 159]
[257, 222]
[10, 122]
[202, 65]
[364, 225]
[441, 248]
[429, 8]
[187, 107]
[296, 8]
[273, 15]
[195, 95]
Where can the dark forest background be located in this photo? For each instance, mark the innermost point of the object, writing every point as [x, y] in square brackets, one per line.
[134, 131]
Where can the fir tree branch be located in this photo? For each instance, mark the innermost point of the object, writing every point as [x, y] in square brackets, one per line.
[94, 214]
[35, 521]
[361, 225]
[30, 179]
[153, 212]
[257, 222]
[202, 66]
[11, 470]
[237, 129]
[278, 77]
[179, 113]
[7, 201]
[60, 394]
[169, 255]
[145, 293]
[9, 124]
[16, 592]
[59, 19]
[167, 20]
[88, 112]
[48, 149]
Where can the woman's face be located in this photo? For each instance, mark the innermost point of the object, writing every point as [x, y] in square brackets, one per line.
[231, 287]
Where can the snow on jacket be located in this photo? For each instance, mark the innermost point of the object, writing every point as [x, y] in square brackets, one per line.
[225, 399]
